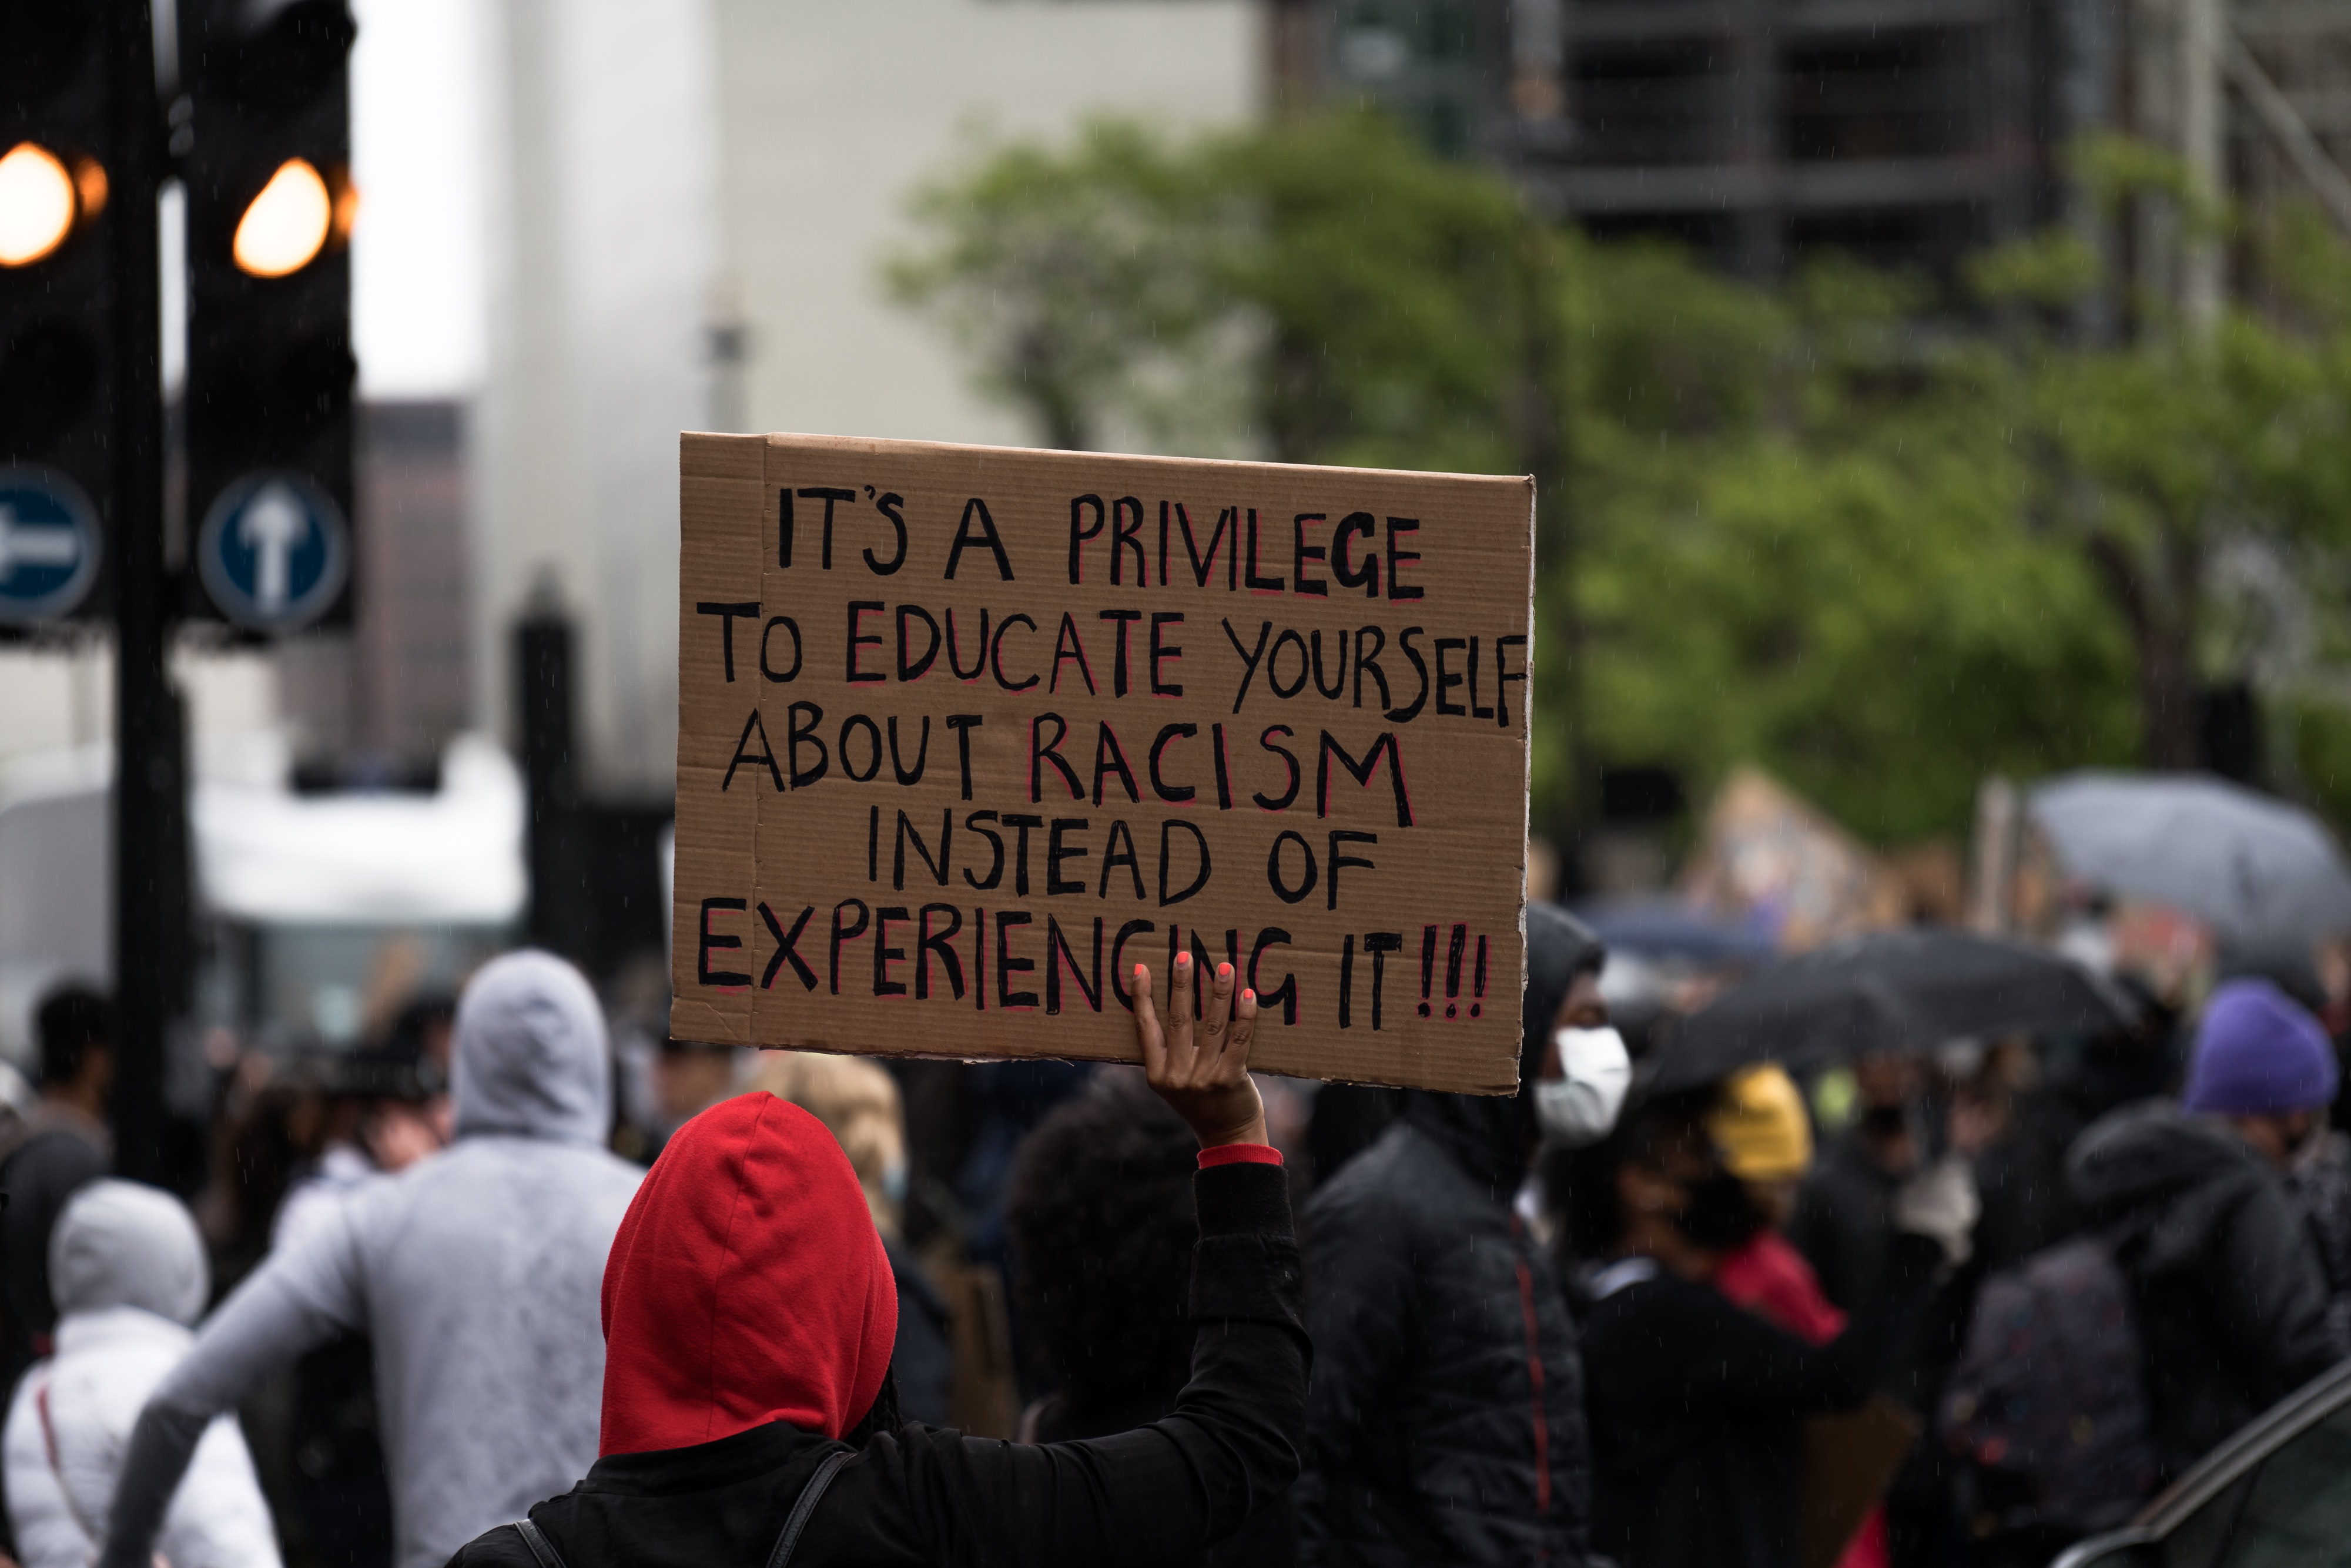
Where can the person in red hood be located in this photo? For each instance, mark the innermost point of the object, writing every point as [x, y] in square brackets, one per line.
[748, 1414]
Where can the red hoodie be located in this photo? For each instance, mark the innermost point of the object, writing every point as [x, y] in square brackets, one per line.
[747, 1285]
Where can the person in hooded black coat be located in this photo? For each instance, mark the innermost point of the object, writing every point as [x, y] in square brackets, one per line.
[2230, 1297]
[1445, 1410]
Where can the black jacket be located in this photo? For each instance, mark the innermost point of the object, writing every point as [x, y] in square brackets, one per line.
[1844, 1223]
[1267, 1539]
[922, 1362]
[1445, 1422]
[39, 1176]
[1697, 1405]
[1159, 1494]
[2232, 1303]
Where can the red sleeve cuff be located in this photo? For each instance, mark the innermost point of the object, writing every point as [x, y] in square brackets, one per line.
[1241, 1154]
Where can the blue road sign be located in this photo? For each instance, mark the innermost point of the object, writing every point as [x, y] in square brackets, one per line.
[273, 552]
[48, 546]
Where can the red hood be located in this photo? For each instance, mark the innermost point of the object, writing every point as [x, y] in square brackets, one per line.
[747, 1285]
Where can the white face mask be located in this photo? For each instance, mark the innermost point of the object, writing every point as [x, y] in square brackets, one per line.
[1579, 1107]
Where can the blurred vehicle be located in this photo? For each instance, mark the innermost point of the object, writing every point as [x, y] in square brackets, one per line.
[329, 911]
[2277, 1494]
[320, 914]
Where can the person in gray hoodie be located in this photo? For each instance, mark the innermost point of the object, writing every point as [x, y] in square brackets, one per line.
[477, 1273]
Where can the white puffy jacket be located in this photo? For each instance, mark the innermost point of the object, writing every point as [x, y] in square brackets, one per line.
[127, 1273]
[478, 1275]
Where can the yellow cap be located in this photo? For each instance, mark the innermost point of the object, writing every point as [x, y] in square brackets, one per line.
[1758, 1124]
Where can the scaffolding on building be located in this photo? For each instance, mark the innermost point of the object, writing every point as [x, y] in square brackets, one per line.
[1905, 132]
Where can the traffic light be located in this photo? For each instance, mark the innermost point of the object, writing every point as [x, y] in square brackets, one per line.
[59, 313]
[270, 206]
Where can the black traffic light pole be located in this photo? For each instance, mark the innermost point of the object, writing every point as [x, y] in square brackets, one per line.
[151, 880]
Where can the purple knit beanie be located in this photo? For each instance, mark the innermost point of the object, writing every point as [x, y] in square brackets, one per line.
[2259, 1053]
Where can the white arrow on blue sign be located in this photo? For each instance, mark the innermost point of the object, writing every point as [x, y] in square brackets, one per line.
[48, 545]
[273, 552]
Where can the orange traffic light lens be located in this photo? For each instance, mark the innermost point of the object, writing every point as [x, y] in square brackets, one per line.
[90, 185]
[286, 224]
[37, 204]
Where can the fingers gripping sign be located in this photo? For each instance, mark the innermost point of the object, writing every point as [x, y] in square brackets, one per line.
[1201, 1066]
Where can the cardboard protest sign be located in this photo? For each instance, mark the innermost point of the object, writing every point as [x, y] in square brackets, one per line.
[965, 733]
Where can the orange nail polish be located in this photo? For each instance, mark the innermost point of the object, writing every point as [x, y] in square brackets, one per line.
[1249, 996]
[1224, 971]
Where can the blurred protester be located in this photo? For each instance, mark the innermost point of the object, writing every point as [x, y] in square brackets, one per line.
[1696, 1401]
[385, 1110]
[476, 1273]
[2316, 1165]
[939, 1126]
[1843, 1218]
[267, 1131]
[858, 1102]
[1445, 1421]
[1101, 1224]
[663, 1081]
[426, 1029]
[1008, 1100]
[688, 1078]
[2230, 1299]
[425, 1033]
[1760, 1128]
[2017, 1128]
[129, 1271]
[1348, 1119]
[747, 1411]
[2318, 1180]
[60, 1148]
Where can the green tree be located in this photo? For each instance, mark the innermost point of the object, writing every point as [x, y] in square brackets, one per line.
[1808, 548]
[1770, 528]
[2162, 456]
[1087, 288]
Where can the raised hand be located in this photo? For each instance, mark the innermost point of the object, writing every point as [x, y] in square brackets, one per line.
[1202, 1068]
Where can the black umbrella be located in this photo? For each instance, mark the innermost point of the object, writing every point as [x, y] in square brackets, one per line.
[1890, 990]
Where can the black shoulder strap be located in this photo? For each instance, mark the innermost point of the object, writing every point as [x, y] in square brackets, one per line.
[811, 1495]
[544, 1549]
[540, 1546]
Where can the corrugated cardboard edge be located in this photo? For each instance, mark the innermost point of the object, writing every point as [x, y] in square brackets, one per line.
[707, 465]
[876, 444]
[721, 458]
[1526, 783]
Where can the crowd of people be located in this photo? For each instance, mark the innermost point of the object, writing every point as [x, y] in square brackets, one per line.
[869, 1310]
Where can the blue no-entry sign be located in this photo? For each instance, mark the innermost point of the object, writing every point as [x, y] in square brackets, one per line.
[273, 552]
[48, 545]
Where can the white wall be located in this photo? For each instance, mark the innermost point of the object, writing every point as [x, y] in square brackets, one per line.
[601, 246]
[418, 257]
[57, 760]
[658, 166]
[834, 113]
[60, 698]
